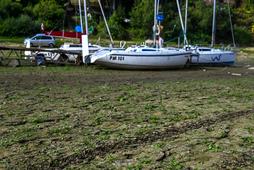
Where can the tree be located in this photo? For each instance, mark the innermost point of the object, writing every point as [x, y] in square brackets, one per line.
[27, 2]
[22, 25]
[9, 9]
[141, 19]
[50, 13]
[117, 24]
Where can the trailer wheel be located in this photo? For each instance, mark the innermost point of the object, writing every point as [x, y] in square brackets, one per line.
[78, 60]
[40, 59]
[63, 58]
[14, 63]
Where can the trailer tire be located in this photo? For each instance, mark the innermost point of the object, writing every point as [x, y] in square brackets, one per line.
[14, 63]
[63, 58]
[40, 59]
[78, 60]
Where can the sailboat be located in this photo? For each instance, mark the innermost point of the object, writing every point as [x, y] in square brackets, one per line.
[142, 57]
[212, 56]
[82, 48]
[209, 55]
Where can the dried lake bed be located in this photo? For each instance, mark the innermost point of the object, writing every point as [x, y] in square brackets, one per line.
[95, 118]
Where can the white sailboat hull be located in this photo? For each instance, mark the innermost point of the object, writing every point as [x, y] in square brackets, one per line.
[216, 59]
[211, 56]
[142, 60]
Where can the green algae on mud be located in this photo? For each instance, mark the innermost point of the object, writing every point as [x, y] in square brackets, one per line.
[51, 113]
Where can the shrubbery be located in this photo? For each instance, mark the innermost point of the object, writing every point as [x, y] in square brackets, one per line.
[133, 20]
[22, 25]
[16, 20]
[243, 36]
[117, 26]
[50, 13]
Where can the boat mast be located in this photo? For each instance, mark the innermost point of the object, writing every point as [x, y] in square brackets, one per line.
[80, 16]
[155, 23]
[185, 25]
[109, 33]
[158, 5]
[231, 25]
[85, 13]
[214, 23]
[84, 38]
[181, 20]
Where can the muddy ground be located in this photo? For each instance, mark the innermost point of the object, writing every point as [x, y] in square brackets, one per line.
[69, 117]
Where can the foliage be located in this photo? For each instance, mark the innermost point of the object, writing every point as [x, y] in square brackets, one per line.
[243, 36]
[140, 15]
[9, 9]
[22, 25]
[117, 24]
[244, 17]
[200, 22]
[102, 31]
[49, 13]
[141, 19]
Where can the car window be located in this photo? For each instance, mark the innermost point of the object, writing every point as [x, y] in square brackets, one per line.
[46, 38]
[37, 38]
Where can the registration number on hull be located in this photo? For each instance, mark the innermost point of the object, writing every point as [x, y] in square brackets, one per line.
[119, 58]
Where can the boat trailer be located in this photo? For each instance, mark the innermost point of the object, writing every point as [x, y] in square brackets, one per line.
[16, 56]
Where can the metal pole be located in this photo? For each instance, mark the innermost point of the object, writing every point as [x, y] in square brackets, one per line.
[86, 22]
[158, 6]
[186, 16]
[80, 16]
[111, 39]
[114, 5]
[84, 38]
[231, 25]
[155, 23]
[179, 41]
[214, 23]
[181, 20]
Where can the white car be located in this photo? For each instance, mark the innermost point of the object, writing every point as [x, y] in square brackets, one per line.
[40, 40]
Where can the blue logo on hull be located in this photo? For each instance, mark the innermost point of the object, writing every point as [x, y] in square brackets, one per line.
[216, 58]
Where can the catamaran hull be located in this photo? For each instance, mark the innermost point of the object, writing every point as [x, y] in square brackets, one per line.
[213, 59]
[119, 61]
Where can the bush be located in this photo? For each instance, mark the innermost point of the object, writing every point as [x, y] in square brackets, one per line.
[141, 19]
[102, 31]
[50, 13]
[199, 38]
[243, 36]
[117, 24]
[23, 25]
